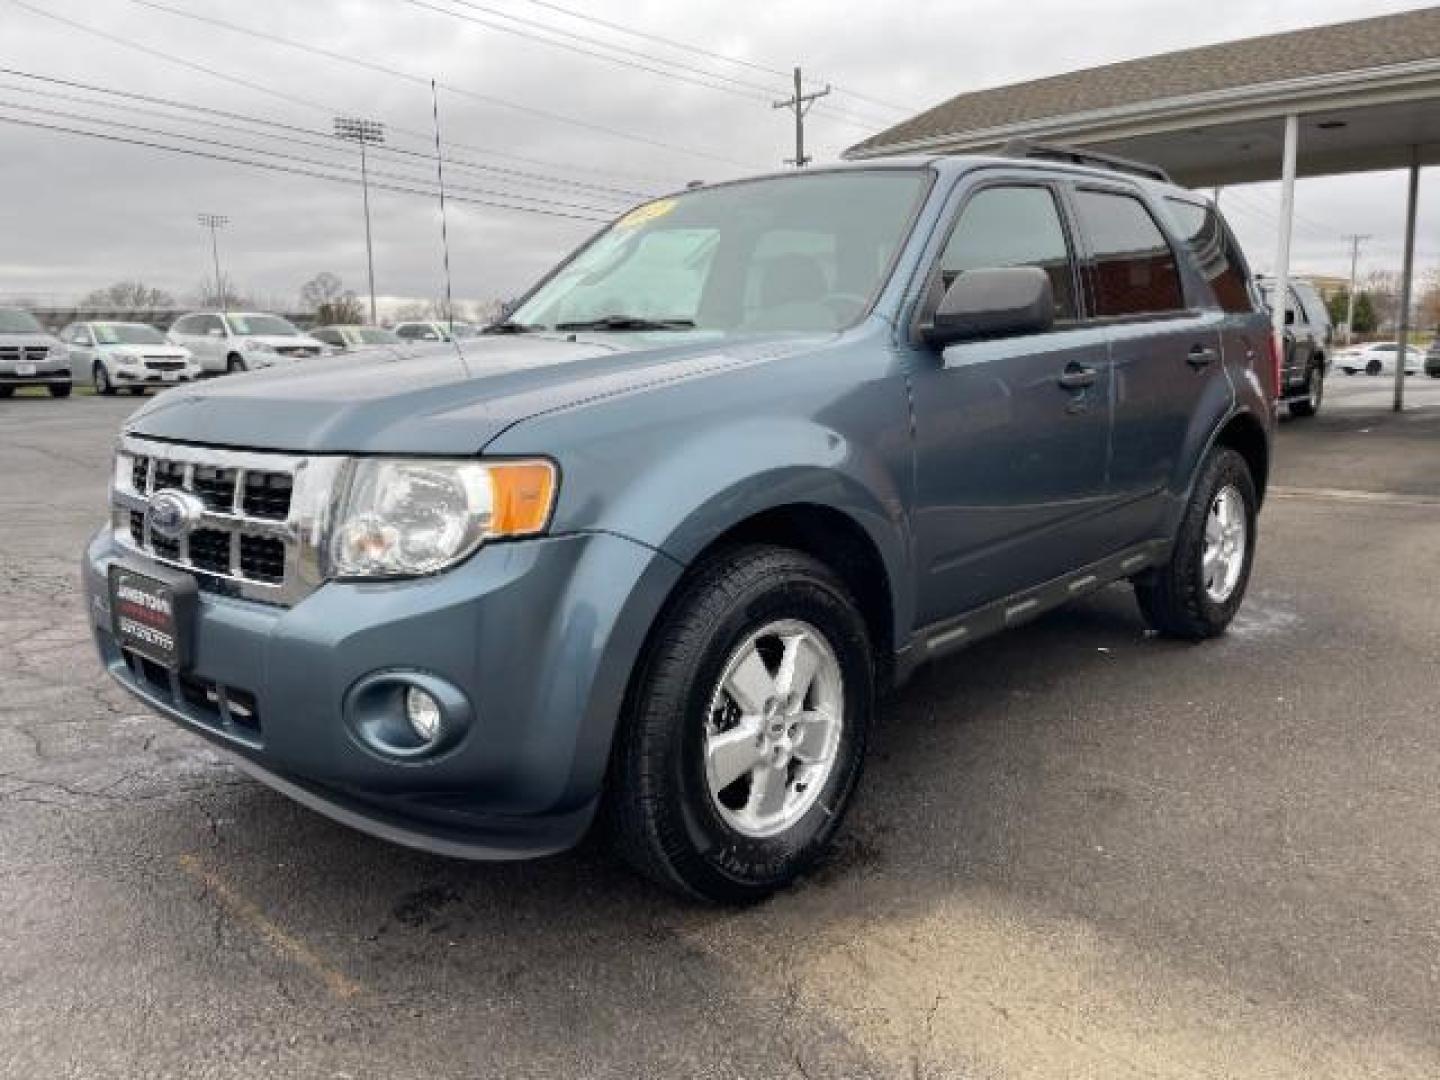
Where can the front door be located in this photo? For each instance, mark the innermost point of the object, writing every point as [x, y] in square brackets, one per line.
[1011, 435]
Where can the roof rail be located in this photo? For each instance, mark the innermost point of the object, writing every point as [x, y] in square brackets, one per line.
[1025, 148]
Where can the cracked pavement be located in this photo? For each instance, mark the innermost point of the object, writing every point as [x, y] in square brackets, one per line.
[1078, 851]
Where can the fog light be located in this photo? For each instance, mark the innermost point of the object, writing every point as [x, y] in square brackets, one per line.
[423, 712]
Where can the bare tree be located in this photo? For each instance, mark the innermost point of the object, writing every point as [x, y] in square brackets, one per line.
[325, 294]
[228, 296]
[128, 296]
[1427, 304]
[1383, 287]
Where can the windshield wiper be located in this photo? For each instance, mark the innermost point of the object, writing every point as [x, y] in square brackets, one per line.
[627, 322]
[508, 327]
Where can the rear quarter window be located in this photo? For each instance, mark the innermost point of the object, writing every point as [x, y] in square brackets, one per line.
[1214, 251]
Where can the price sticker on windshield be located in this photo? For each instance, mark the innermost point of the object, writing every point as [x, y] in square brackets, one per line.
[649, 212]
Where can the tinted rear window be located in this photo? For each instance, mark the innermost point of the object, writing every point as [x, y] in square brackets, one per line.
[1134, 269]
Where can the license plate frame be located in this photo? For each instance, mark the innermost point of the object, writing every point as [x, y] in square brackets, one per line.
[152, 613]
[24, 369]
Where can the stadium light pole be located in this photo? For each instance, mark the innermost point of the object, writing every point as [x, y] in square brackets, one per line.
[215, 222]
[366, 133]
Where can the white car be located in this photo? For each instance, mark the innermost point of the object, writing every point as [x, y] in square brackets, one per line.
[126, 356]
[434, 331]
[242, 340]
[1378, 358]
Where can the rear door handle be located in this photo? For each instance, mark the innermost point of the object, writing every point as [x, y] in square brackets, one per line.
[1077, 377]
[1200, 355]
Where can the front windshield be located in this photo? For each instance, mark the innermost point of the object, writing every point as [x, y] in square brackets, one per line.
[368, 335]
[268, 325]
[127, 334]
[13, 321]
[794, 253]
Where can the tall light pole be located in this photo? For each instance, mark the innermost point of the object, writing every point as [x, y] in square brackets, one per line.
[366, 133]
[215, 222]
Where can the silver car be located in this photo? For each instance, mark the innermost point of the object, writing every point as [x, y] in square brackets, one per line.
[31, 356]
[127, 356]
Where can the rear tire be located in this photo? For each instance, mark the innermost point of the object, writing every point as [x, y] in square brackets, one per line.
[1309, 405]
[1187, 598]
[60, 390]
[7, 391]
[1373, 367]
[677, 810]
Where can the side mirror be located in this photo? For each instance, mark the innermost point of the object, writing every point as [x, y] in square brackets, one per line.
[991, 303]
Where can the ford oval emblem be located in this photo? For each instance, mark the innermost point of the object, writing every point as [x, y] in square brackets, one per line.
[172, 513]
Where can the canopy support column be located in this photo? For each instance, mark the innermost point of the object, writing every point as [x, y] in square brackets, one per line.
[1282, 247]
[1402, 332]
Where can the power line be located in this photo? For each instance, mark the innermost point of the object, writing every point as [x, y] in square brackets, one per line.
[293, 170]
[309, 103]
[757, 91]
[685, 75]
[324, 143]
[488, 192]
[699, 51]
[410, 77]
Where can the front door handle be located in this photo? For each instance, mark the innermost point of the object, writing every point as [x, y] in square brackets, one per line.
[1200, 355]
[1077, 377]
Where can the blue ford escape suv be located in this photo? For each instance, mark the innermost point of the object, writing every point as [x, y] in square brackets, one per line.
[645, 552]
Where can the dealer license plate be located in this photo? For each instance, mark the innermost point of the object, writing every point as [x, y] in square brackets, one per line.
[149, 616]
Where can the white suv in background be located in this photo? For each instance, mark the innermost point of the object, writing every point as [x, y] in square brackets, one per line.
[242, 340]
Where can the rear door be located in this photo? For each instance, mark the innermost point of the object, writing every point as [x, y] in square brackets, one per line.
[1010, 434]
[1164, 351]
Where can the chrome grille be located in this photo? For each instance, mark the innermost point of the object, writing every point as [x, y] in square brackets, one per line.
[31, 354]
[263, 515]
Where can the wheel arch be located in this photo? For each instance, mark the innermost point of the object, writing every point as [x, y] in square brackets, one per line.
[838, 541]
[1247, 436]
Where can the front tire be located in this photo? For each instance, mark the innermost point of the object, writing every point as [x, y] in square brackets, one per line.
[1196, 594]
[1373, 367]
[745, 728]
[235, 363]
[60, 390]
[1309, 405]
[103, 385]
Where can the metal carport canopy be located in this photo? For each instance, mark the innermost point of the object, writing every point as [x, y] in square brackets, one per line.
[1351, 97]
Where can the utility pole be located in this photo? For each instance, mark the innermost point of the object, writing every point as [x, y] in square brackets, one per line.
[364, 132]
[1355, 241]
[800, 105]
[214, 222]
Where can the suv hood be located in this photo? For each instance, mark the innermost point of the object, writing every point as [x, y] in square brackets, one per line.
[437, 399]
[22, 340]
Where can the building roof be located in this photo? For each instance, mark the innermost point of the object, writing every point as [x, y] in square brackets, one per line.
[1273, 60]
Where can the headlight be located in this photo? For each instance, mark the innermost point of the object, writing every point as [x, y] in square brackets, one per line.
[259, 346]
[400, 518]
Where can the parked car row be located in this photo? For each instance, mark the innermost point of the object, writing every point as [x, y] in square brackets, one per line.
[133, 356]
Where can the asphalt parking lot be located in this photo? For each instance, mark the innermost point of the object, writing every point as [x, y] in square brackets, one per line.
[1078, 851]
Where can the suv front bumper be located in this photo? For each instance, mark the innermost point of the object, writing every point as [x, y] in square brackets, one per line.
[46, 373]
[539, 636]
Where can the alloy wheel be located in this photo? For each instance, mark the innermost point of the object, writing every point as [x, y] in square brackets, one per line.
[773, 728]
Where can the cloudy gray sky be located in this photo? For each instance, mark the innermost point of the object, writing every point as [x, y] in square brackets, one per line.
[536, 124]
